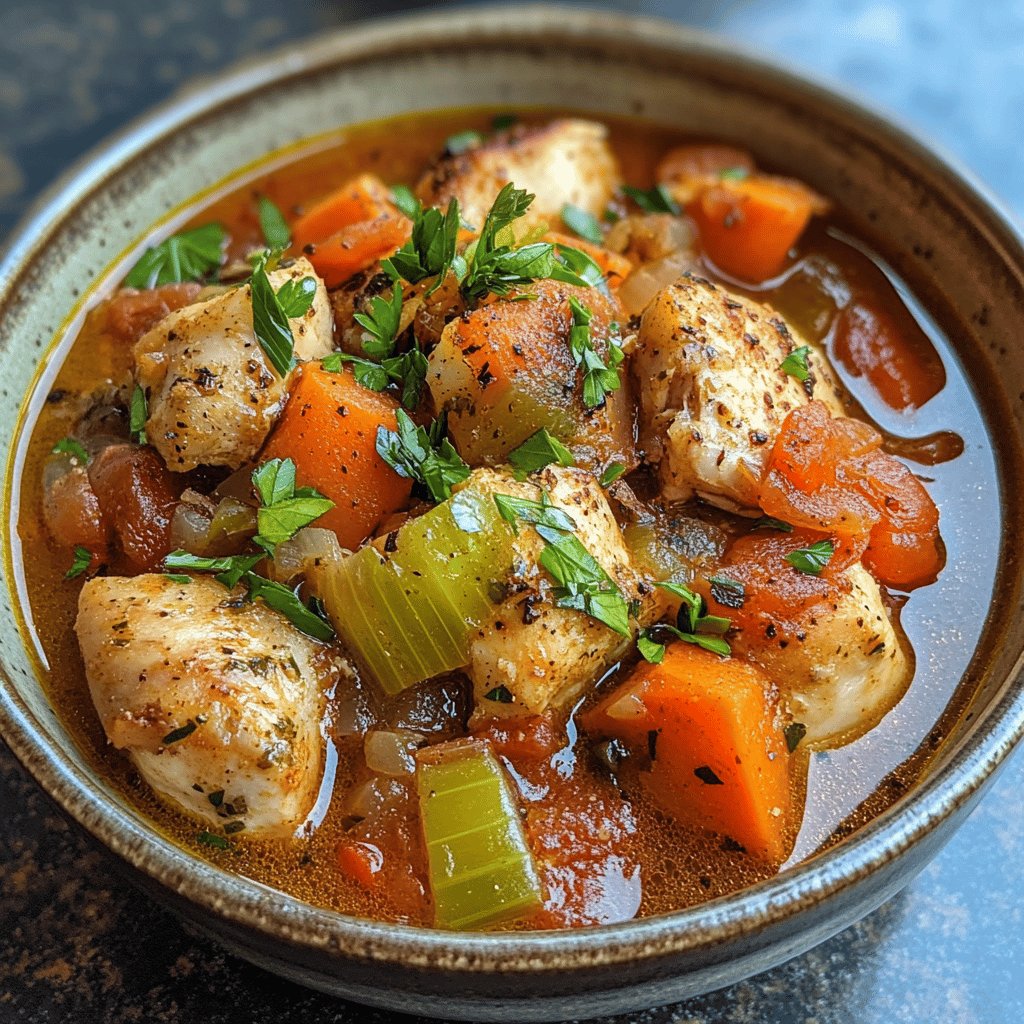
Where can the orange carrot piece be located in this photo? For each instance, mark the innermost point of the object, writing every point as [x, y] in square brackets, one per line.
[748, 226]
[718, 755]
[688, 169]
[329, 430]
[351, 229]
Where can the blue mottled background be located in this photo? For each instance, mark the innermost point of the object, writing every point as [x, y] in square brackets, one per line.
[76, 946]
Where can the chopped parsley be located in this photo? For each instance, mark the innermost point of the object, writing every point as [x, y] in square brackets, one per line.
[187, 256]
[290, 605]
[430, 250]
[69, 446]
[599, 378]
[500, 694]
[460, 142]
[693, 625]
[611, 473]
[536, 513]
[771, 523]
[502, 122]
[284, 508]
[727, 591]
[408, 370]
[138, 414]
[733, 174]
[653, 200]
[184, 731]
[212, 839]
[422, 454]
[795, 364]
[403, 198]
[272, 311]
[276, 232]
[794, 733]
[536, 452]
[82, 561]
[380, 325]
[582, 223]
[813, 558]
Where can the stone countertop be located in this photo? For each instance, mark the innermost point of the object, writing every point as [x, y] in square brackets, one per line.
[77, 945]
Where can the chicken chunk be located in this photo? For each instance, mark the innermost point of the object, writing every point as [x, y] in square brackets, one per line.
[565, 161]
[213, 394]
[541, 654]
[849, 669]
[217, 700]
[713, 392]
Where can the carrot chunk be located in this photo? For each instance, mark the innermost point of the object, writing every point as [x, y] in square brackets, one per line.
[748, 226]
[351, 229]
[718, 757]
[831, 475]
[615, 267]
[329, 430]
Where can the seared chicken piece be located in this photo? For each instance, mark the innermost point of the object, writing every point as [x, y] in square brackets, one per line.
[213, 394]
[216, 699]
[850, 669]
[712, 391]
[542, 654]
[566, 161]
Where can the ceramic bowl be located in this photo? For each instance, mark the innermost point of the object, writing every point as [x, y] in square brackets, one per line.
[938, 230]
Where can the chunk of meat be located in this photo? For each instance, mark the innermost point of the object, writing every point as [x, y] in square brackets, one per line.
[72, 514]
[213, 394]
[131, 313]
[565, 161]
[543, 655]
[827, 641]
[713, 394]
[217, 700]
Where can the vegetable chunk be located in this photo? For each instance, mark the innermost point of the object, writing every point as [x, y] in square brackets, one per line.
[718, 757]
[329, 430]
[481, 869]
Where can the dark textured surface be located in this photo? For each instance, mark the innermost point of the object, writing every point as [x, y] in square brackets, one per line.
[77, 945]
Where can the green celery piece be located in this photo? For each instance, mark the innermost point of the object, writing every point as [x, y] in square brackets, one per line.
[481, 869]
[407, 615]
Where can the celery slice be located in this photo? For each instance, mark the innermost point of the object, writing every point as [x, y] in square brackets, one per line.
[481, 869]
[407, 614]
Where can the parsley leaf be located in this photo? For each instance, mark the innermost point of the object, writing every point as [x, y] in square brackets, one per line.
[795, 364]
[693, 625]
[502, 122]
[500, 694]
[284, 509]
[380, 325]
[431, 246]
[271, 312]
[403, 198]
[650, 650]
[574, 266]
[288, 604]
[727, 591]
[138, 414]
[771, 523]
[537, 513]
[582, 223]
[536, 452]
[654, 651]
[276, 232]
[408, 369]
[794, 733]
[460, 142]
[212, 839]
[611, 473]
[733, 174]
[653, 200]
[599, 378]
[229, 568]
[187, 256]
[81, 562]
[813, 558]
[426, 456]
[69, 446]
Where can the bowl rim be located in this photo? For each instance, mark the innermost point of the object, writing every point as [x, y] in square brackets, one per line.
[243, 902]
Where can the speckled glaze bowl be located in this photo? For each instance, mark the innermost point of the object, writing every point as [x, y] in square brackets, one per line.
[937, 229]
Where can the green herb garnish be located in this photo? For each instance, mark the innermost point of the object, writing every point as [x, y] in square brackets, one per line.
[599, 378]
[536, 452]
[187, 256]
[460, 142]
[813, 558]
[794, 733]
[727, 591]
[502, 122]
[82, 561]
[733, 174]
[653, 200]
[175, 735]
[69, 446]
[402, 196]
[693, 625]
[536, 513]
[795, 364]
[408, 370]
[276, 232]
[138, 414]
[212, 839]
[500, 694]
[430, 250]
[381, 324]
[271, 312]
[423, 455]
[582, 223]
[771, 523]
[284, 509]
[611, 473]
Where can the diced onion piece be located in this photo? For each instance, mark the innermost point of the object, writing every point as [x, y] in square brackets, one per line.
[390, 753]
[637, 291]
[368, 799]
[481, 869]
[311, 551]
[232, 519]
[190, 525]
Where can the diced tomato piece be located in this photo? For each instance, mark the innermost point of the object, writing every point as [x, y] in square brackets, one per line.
[361, 862]
[137, 496]
[131, 313]
[73, 516]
